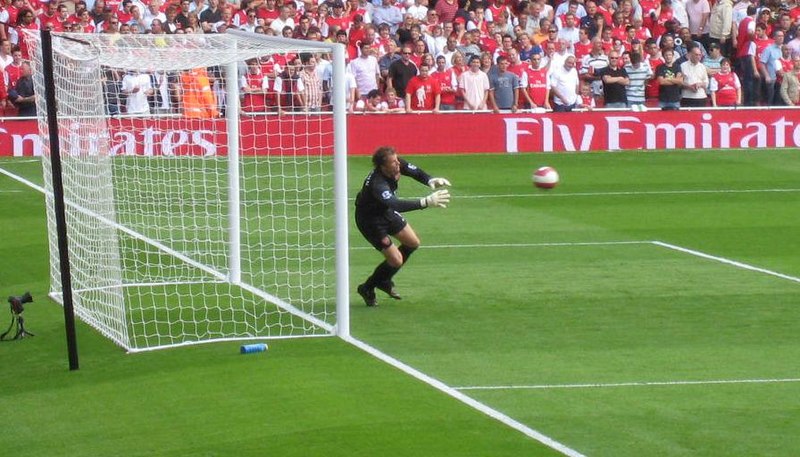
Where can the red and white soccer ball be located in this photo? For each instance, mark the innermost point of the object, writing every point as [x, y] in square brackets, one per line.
[545, 178]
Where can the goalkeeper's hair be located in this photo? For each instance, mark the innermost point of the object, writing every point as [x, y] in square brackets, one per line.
[380, 155]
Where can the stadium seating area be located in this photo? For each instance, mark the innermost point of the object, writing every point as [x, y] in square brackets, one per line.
[721, 53]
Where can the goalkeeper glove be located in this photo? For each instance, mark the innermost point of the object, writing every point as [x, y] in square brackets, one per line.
[438, 182]
[439, 198]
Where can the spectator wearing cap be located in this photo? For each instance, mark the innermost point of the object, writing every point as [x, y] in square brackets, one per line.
[713, 60]
[387, 14]
[460, 30]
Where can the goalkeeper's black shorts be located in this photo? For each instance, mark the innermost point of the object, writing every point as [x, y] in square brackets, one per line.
[377, 228]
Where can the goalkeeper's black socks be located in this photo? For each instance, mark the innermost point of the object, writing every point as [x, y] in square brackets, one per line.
[406, 251]
[382, 274]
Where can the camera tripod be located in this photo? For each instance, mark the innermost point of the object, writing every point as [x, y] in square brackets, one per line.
[18, 321]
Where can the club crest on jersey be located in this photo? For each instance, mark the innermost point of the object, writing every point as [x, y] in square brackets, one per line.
[386, 195]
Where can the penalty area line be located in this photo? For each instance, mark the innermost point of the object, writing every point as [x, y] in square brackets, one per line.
[629, 193]
[725, 261]
[519, 245]
[629, 384]
[453, 392]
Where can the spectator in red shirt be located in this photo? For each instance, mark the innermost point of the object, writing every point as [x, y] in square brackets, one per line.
[448, 84]
[423, 92]
[49, 18]
[535, 84]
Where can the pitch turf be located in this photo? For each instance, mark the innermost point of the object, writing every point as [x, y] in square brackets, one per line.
[619, 314]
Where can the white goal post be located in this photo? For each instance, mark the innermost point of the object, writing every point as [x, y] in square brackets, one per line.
[189, 220]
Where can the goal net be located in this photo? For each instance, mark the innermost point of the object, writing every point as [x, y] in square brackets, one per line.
[204, 185]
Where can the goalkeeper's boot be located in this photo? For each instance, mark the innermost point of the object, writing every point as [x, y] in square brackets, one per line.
[388, 288]
[368, 294]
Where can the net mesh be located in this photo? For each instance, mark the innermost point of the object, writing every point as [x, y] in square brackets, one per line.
[188, 220]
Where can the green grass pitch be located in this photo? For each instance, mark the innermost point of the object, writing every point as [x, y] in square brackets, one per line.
[647, 306]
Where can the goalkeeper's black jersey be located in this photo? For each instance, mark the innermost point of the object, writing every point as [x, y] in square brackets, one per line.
[379, 193]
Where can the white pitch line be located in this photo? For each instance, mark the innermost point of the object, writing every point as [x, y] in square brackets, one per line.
[453, 392]
[21, 180]
[629, 384]
[621, 193]
[519, 245]
[734, 263]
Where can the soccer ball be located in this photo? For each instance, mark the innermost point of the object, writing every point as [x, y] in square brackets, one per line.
[545, 178]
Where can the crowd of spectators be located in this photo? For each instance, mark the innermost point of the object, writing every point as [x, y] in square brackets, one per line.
[437, 55]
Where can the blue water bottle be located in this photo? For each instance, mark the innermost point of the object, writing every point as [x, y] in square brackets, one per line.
[252, 348]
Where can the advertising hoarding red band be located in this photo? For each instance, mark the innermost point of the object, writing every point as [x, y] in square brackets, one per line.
[434, 134]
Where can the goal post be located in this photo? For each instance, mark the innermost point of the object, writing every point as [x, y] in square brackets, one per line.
[191, 219]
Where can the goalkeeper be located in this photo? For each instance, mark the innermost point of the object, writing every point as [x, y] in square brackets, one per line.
[378, 217]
